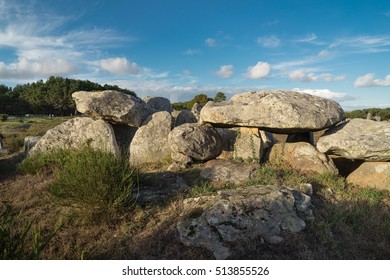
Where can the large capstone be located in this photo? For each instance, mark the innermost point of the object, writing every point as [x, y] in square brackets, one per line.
[275, 111]
[113, 106]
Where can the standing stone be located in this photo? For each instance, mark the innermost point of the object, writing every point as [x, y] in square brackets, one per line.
[244, 143]
[358, 139]
[303, 157]
[185, 116]
[112, 106]
[194, 142]
[275, 111]
[196, 108]
[248, 145]
[29, 142]
[159, 103]
[150, 142]
[371, 174]
[76, 133]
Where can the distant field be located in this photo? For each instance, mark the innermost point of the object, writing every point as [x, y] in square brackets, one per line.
[15, 130]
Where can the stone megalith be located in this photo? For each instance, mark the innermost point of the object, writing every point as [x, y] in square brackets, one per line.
[78, 132]
[112, 106]
[194, 142]
[150, 142]
[275, 111]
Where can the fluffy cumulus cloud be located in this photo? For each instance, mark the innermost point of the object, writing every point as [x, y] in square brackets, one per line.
[304, 75]
[268, 41]
[210, 42]
[29, 69]
[326, 93]
[225, 71]
[120, 66]
[368, 80]
[260, 70]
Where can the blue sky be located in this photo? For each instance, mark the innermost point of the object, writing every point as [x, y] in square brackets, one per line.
[177, 49]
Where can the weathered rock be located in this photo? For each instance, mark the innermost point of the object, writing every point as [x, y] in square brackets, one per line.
[150, 142]
[303, 157]
[223, 223]
[185, 116]
[30, 142]
[196, 108]
[112, 106]
[371, 174]
[275, 111]
[159, 103]
[194, 141]
[227, 171]
[78, 132]
[244, 143]
[358, 139]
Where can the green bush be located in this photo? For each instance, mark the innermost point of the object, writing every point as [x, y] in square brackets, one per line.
[3, 117]
[97, 184]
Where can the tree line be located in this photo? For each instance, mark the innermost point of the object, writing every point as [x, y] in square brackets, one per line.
[384, 114]
[53, 96]
[201, 99]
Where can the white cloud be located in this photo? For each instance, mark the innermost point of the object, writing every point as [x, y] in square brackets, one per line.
[364, 44]
[326, 93]
[269, 41]
[368, 80]
[28, 69]
[210, 42]
[313, 59]
[307, 39]
[260, 70]
[192, 52]
[120, 66]
[304, 75]
[225, 71]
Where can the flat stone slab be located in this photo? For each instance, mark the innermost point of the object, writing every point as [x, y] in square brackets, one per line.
[112, 106]
[276, 111]
[224, 223]
[358, 139]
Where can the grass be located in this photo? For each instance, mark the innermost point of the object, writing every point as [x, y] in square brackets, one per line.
[20, 240]
[95, 183]
[14, 131]
[91, 195]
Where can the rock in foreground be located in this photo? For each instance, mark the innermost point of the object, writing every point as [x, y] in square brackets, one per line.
[275, 111]
[225, 222]
[358, 139]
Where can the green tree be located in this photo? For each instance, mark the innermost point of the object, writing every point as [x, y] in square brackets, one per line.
[219, 97]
